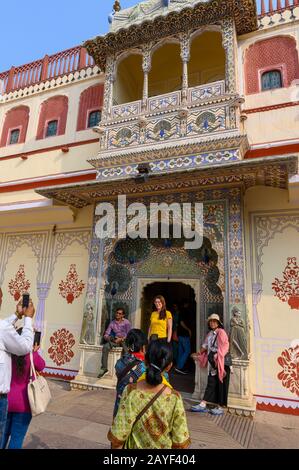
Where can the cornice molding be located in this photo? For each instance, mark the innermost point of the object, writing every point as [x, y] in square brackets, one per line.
[273, 172]
[271, 107]
[25, 155]
[181, 147]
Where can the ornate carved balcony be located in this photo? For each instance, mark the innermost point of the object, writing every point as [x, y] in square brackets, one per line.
[205, 126]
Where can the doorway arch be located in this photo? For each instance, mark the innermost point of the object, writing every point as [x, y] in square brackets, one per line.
[194, 284]
[172, 289]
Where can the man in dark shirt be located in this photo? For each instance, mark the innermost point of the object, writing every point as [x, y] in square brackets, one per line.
[184, 335]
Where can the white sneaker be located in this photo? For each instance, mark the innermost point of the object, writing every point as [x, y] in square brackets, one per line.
[180, 371]
[199, 408]
[102, 373]
[217, 411]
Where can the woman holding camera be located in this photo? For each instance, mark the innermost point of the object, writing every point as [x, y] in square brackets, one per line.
[19, 412]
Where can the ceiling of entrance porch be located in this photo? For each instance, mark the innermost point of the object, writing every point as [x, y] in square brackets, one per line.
[269, 171]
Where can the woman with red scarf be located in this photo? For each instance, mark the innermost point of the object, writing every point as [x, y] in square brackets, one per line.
[212, 354]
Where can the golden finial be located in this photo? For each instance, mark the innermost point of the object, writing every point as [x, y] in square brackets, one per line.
[116, 6]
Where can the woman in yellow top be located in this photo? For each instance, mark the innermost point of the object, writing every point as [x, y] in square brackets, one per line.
[161, 321]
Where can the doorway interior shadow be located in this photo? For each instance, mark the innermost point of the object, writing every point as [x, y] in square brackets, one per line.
[175, 293]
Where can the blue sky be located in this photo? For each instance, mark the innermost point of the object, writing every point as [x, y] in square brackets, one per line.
[31, 29]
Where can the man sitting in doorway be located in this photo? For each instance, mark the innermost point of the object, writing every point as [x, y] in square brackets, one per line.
[184, 335]
[115, 336]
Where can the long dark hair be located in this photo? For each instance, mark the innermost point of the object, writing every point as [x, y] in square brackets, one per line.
[135, 340]
[19, 360]
[20, 364]
[158, 357]
[162, 314]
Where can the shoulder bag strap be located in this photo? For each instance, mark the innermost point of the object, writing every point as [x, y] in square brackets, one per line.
[127, 369]
[32, 368]
[149, 405]
[214, 340]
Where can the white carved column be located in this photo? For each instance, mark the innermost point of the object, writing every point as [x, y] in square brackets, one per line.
[108, 89]
[146, 67]
[42, 294]
[3, 257]
[185, 56]
[256, 297]
[44, 281]
[240, 399]
[229, 45]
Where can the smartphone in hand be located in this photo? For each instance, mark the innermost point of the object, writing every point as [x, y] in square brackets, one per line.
[37, 336]
[25, 301]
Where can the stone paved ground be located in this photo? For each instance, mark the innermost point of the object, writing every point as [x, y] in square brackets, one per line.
[81, 419]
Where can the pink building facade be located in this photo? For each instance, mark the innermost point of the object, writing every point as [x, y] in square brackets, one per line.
[211, 108]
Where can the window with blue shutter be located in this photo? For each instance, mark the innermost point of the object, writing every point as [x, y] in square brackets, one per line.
[94, 118]
[14, 136]
[52, 128]
[271, 80]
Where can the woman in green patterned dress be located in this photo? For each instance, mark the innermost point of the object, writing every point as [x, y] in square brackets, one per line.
[163, 425]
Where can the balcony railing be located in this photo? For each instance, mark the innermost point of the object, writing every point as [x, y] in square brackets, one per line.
[211, 90]
[124, 111]
[164, 102]
[168, 101]
[266, 7]
[45, 69]
[207, 110]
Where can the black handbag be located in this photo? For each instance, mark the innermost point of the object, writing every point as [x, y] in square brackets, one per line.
[228, 360]
[211, 359]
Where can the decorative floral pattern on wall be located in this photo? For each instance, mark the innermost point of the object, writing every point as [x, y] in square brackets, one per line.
[19, 285]
[60, 350]
[287, 290]
[289, 361]
[71, 288]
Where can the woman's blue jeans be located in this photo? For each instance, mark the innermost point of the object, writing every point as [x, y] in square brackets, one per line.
[3, 416]
[184, 351]
[17, 425]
